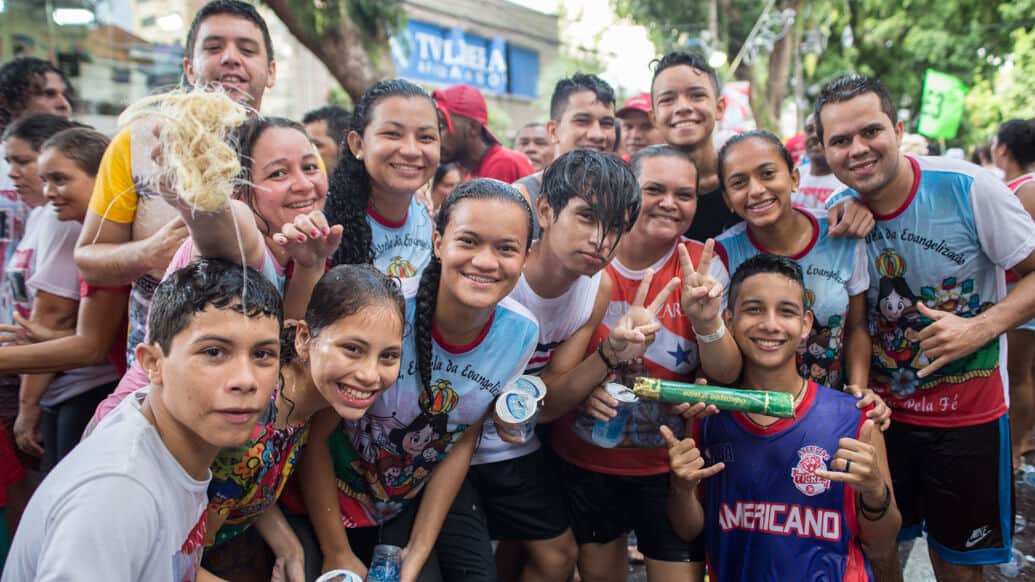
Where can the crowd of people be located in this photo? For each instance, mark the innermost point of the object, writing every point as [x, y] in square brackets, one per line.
[274, 388]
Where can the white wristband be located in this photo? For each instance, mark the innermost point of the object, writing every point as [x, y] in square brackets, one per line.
[711, 337]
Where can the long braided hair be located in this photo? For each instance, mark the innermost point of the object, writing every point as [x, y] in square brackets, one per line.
[427, 293]
[349, 194]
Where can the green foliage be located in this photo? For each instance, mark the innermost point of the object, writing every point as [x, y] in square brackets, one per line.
[374, 18]
[1005, 94]
[894, 40]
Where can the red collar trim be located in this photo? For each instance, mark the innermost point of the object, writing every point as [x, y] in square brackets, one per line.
[784, 423]
[372, 213]
[808, 248]
[460, 349]
[912, 193]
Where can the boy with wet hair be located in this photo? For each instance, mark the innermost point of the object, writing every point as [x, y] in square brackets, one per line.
[129, 502]
[810, 495]
[589, 200]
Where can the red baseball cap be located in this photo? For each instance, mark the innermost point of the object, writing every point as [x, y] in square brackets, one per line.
[465, 101]
[640, 102]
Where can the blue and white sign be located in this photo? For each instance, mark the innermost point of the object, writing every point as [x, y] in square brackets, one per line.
[448, 56]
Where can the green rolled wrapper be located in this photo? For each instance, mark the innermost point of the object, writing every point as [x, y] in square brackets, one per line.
[778, 404]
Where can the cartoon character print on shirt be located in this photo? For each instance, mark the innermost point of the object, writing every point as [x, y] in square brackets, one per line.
[405, 453]
[187, 561]
[401, 268]
[818, 355]
[896, 324]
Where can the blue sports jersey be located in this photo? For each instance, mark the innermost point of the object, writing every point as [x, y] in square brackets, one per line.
[384, 459]
[947, 245]
[834, 270]
[401, 249]
[768, 516]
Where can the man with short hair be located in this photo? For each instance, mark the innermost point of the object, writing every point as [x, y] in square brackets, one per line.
[818, 182]
[327, 128]
[129, 502]
[946, 230]
[638, 131]
[582, 115]
[466, 139]
[533, 141]
[130, 233]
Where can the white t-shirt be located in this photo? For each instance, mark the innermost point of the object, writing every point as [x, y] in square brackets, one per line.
[44, 262]
[814, 191]
[118, 507]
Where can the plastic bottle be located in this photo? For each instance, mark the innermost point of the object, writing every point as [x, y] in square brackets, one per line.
[1012, 568]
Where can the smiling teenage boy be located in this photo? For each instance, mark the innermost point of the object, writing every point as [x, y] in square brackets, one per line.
[810, 495]
[129, 502]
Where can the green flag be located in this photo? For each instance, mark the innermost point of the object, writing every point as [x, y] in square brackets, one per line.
[941, 107]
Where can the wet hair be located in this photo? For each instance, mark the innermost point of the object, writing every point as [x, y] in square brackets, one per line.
[761, 264]
[204, 282]
[441, 171]
[232, 8]
[349, 194]
[602, 180]
[693, 60]
[337, 119]
[1018, 135]
[578, 83]
[82, 145]
[427, 293]
[243, 140]
[618, 135]
[38, 128]
[20, 79]
[743, 137]
[662, 150]
[849, 87]
[343, 292]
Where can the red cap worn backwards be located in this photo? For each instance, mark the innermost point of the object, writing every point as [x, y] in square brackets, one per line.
[640, 102]
[465, 101]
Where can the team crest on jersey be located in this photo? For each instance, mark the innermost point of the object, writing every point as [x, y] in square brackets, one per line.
[811, 459]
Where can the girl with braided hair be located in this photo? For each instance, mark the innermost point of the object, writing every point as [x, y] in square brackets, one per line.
[392, 149]
[467, 341]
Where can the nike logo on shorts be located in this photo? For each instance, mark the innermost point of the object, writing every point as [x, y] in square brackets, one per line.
[977, 535]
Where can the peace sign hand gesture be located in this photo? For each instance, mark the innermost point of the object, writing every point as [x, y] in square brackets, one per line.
[701, 296]
[634, 332]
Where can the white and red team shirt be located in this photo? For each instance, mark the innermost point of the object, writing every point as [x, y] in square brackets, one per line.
[1015, 185]
[948, 245]
[672, 356]
[559, 318]
[814, 191]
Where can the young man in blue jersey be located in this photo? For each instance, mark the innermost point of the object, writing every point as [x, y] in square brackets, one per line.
[810, 495]
[946, 231]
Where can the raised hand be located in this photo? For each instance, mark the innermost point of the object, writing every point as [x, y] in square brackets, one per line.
[855, 463]
[635, 331]
[685, 460]
[701, 296]
[881, 413]
[309, 239]
[949, 337]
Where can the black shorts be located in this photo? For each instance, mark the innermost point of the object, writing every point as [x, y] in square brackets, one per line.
[604, 507]
[521, 498]
[957, 484]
